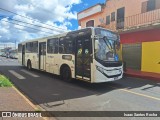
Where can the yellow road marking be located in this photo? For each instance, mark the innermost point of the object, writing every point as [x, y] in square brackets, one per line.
[140, 94]
[35, 107]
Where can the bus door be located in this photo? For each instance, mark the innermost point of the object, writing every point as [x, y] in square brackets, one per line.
[23, 55]
[83, 58]
[42, 56]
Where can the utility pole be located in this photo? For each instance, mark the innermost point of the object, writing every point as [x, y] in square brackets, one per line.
[15, 44]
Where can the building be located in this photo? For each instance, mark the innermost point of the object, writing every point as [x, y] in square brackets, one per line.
[6, 45]
[137, 22]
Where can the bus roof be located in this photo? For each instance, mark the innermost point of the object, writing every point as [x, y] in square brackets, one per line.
[60, 35]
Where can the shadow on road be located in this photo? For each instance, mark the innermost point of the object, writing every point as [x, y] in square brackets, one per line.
[49, 88]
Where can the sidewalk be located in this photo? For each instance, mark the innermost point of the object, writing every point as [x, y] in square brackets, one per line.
[144, 75]
[12, 100]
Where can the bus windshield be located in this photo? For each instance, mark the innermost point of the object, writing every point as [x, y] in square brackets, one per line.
[108, 43]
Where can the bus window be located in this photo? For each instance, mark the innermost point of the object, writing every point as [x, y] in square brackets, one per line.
[66, 45]
[35, 47]
[32, 47]
[19, 48]
[27, 47]
[52, 45]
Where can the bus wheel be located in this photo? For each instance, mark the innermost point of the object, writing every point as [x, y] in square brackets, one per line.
[29, 66]
[66, 74]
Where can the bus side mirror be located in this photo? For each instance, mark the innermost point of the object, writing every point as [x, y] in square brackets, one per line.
[96, 44]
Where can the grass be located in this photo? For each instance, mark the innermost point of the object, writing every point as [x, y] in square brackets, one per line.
[4, 81]
[37, 110]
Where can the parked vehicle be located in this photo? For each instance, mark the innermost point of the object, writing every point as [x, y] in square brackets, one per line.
[3, 55]
[13, 55]
[7, 55]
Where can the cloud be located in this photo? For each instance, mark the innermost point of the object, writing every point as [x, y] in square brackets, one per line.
[8, 4]
[45, 10]
[54, 14]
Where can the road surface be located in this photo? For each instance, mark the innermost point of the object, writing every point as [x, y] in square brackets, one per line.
[53, 94]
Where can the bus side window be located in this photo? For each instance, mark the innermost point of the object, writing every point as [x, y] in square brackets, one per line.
[52, 45]
[19, 48]
[79, 48]
[61, 45]
[69, 45]
[66, 45]
[56, 46]
[28, 47]
[35, 47]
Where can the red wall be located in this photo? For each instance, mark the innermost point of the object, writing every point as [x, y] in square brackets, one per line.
[141, 36]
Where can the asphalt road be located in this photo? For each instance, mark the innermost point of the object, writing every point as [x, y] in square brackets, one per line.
[8, 62]
[53, 94]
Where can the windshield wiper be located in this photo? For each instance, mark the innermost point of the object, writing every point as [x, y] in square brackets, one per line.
[105, 38]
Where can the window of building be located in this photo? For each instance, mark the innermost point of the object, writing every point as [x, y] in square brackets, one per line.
[120, 18]
[112, 16]
[148, 5]
[90, 23]
[52, 45]
[108, 20]
[151, 5]
[144, 7]
[19, 47]
[66, 45]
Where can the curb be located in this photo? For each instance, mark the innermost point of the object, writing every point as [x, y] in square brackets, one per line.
[142, 76]
[35, 107]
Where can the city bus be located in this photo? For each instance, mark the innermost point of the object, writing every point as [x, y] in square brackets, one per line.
[89, 54]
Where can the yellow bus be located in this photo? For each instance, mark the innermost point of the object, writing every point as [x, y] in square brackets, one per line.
[88, 54]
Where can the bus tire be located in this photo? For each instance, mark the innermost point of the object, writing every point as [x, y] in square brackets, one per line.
[29, 65]
[66, 73]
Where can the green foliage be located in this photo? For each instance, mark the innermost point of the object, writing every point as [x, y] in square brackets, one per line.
[37, 110]
[4, 82]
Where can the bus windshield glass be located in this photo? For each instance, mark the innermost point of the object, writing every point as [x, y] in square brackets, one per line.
[107, 45]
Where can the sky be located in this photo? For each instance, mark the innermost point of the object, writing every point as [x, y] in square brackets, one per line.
[29, 19]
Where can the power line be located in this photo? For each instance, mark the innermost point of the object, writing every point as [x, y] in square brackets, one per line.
[33, 24]
[31, 19]
[25, 26]
[31, 33]
[36, 25]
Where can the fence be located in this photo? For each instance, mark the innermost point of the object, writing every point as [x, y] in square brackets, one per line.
[138, 20]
